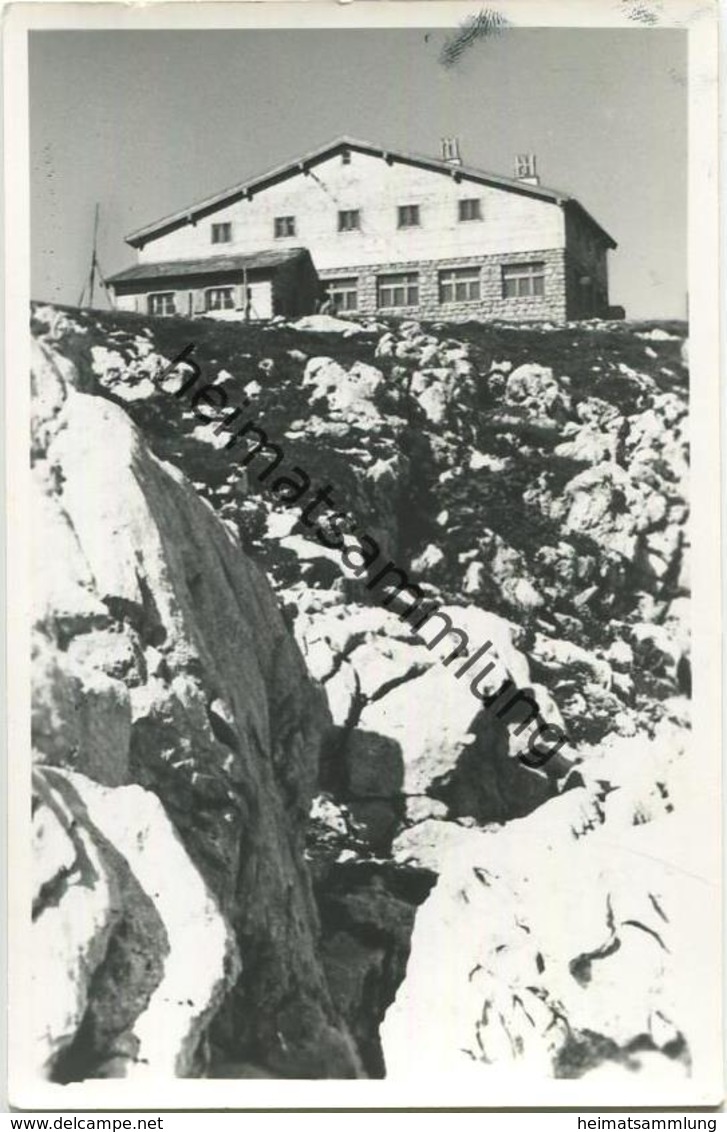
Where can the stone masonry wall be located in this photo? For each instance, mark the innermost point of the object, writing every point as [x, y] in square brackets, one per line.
[491, 304]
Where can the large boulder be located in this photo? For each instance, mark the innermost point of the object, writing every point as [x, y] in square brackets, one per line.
[412, 732]
[562, 942]
[122, 916]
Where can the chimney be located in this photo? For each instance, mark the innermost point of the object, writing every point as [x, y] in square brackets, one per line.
[450, 151]
[526, 169]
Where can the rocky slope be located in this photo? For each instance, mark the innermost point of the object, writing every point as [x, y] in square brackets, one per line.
[223, 695]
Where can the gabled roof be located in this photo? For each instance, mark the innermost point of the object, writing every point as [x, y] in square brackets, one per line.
[211, 265]
[459, 172]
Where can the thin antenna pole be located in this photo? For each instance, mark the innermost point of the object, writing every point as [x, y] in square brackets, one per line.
[104, 284]
[92, 273]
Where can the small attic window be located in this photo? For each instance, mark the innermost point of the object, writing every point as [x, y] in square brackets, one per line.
[408, 216]
[349, 219]
[346, 157]
[221, 233]
[284, 226]
[469, 209]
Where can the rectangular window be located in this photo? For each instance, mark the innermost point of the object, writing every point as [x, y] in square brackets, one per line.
[343, 293]
[459, 285]
[220, 299]
[346, 157]
[523, 280]
[349, 219]
[408, 215]
[398, 290]
[470, 209]
[284, 226]
[221, 233]
[161, 303]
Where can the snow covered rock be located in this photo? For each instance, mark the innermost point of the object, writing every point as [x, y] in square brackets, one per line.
[349, 393]
[327, 324]
[534, 387]
[541, 977]
[121, 917]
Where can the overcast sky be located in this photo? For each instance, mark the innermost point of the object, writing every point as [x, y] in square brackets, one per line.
[148, 122]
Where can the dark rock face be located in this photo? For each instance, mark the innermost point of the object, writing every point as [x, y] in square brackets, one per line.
[367, 915]
[487, 783]
[533, 484]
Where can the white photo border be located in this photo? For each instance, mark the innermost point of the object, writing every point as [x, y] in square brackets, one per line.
[699, 19]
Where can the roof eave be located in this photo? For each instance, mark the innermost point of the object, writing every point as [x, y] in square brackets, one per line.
[215, 266]
[229, 195]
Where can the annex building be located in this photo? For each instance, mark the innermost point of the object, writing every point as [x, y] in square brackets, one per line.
[376, 231]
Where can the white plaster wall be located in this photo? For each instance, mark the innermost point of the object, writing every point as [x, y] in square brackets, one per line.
[510, 222]
[261, 299]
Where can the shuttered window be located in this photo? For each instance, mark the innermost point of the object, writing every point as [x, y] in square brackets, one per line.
[161, 303]
[523, 280]
[220, 299]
